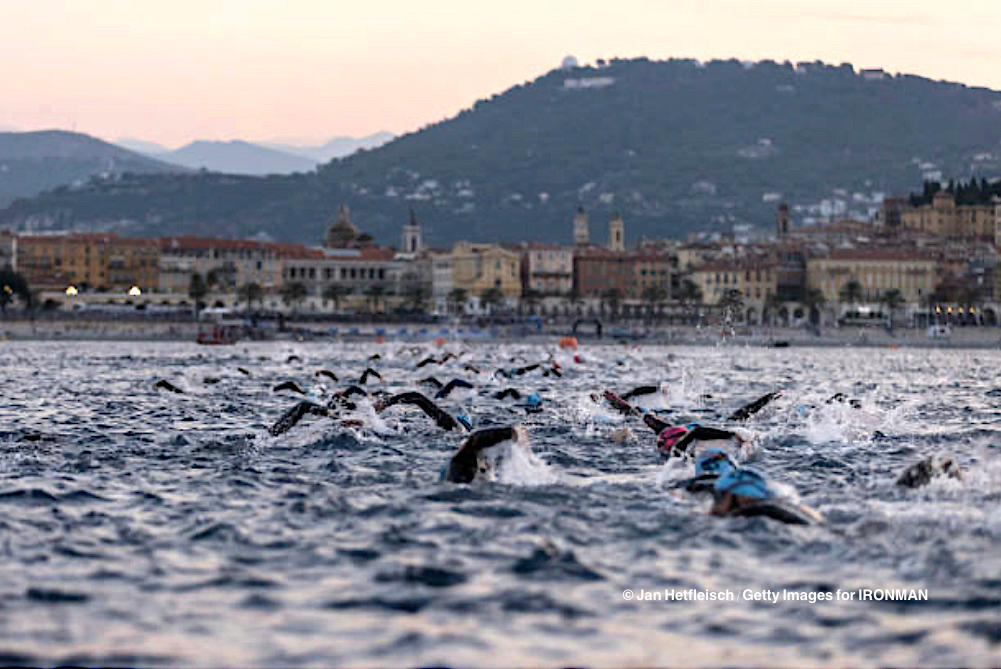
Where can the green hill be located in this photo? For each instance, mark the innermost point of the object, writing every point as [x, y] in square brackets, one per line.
[673, 145]
[33, 162]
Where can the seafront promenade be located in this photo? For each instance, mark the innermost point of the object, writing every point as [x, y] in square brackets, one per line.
[89, 329]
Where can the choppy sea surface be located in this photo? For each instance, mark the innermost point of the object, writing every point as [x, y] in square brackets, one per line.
[147, 527]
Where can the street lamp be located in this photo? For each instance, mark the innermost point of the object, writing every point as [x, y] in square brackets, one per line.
[71, 291]
[134, 291]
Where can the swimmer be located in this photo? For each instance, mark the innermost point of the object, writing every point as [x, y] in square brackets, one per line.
[922, 473]
[744, 492]
[710, 464]
[167, 385]
[470, 460]
[513, 393]
[675, 440]
[327, 373]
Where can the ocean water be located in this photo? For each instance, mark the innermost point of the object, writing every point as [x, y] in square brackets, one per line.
[140, 526]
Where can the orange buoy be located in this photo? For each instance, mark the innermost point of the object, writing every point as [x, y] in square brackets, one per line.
[568, 342]
[440, 341]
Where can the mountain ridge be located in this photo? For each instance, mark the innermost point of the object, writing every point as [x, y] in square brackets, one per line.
[32, 162]
[673, 145]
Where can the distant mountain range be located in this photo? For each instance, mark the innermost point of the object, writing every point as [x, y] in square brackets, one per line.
[32, 162]
[674, 146]
[338, 147]
[260, 158]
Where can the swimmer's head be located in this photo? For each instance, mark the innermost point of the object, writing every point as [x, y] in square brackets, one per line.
[744, 482]
[533, 402]
[713, 461]
[669, 436]
[464, 419]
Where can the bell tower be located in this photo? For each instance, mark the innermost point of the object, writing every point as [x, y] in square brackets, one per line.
[616, 233]
[581, 234]
[412, 240]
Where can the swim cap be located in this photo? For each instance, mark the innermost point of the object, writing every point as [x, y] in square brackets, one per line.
[669, 436]
[713, 461]
[745, 482]
[464, 419]
[533, 403]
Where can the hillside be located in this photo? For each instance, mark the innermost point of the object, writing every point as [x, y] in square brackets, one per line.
[32, 162]
[674, 145]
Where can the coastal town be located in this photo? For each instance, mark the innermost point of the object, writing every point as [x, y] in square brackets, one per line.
[921, 261]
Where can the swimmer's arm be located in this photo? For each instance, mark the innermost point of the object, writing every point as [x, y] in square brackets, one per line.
[296, 413]
[748, 410]
[702, 433]
[441, 417]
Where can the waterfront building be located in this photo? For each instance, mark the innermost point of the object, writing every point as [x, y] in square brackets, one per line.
[755, 281]
[546, 269]
[876, 271]
[225, 265]
[96, 261]
[477, 268]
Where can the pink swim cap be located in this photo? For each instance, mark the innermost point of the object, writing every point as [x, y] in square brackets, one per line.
[669, 436]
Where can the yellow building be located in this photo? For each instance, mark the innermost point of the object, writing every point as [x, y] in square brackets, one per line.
[479, 267]
[944, 217]
[755, 281]
[877, 272]
[90, 261]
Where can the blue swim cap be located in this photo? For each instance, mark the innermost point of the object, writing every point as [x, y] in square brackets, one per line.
[713, 461]
[745, 482]
[464, 419]
[692, 426]
[533, 400]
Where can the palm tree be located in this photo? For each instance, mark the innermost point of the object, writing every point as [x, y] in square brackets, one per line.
[610, 299]
[336, 292]
[293, 294]
[814, 302]
[492, 298]
[654, 295]
[689, 295]
[772, 304]
[893, 299]
[197, 290]
[250, 293]
[374, 295]
[416, 295]
[531, 298]
[457, 299]
[11, 284]
[851, 292]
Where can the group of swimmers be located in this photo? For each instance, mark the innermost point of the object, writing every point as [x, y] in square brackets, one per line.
[714, 452]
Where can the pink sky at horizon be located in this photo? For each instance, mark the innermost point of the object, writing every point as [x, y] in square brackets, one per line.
[173, 72]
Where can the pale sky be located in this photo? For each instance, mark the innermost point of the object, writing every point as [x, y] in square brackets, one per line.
[178, 70]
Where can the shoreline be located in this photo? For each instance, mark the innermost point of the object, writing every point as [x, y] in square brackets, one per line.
[677, 335]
